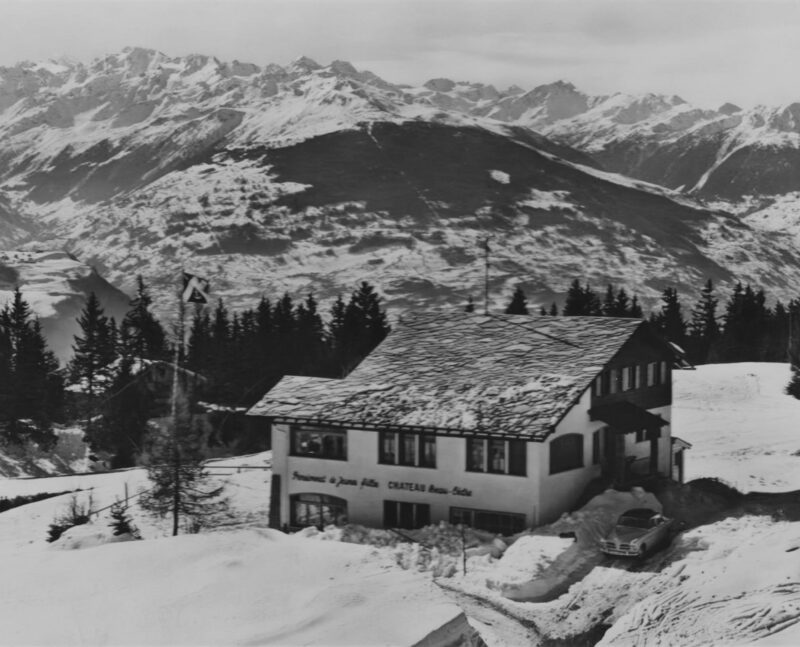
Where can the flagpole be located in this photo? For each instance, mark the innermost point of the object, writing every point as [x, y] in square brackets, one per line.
[486, 278]
[176, 458]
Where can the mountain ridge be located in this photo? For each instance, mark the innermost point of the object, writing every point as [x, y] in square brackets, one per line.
[311, 178]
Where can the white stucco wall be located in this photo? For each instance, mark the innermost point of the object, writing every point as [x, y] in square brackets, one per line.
[540, 496]
[479, 491]
[560, 492]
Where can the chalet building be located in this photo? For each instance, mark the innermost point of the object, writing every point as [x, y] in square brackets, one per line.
[498, 422]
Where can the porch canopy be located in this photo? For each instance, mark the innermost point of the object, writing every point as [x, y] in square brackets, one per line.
[626, 417]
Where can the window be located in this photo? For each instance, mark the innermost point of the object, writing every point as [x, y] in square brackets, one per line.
[402, 514]
[617, 380]
[407, 448]
[319, 442]
[652, 374]
[497, 456]
[317, 510]
[664, 372]
[475, 454]
[387, 448]
[503, 523]
[427, 450]
[566, 453]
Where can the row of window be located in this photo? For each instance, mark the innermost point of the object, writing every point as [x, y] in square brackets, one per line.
[322, 510]
[490, 455]
[628, 378]
[412, 449]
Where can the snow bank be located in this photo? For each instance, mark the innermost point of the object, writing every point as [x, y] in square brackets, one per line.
[241, 587]
[742, 426]
[235, 585]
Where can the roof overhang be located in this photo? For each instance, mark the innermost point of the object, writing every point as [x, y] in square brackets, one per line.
[625, 417]
[679, 443]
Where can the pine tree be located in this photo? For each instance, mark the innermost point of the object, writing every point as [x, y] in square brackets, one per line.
[622, 304]
[518, 304]
[356, 330]
[35, 388]
[574, 304]
[703, 327]
[310, 332]
[93, 352]
[582, 301]
[125, 411]
[6, 382]
[745, 318]
[143, 334]
[610, 303]
[635, 311]
[180, 485]
[669, 321]
[121, 523]
[553, 310]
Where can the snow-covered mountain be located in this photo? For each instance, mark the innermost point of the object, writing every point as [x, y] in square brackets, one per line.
[311, 177]
[723, 153]
[56, 285]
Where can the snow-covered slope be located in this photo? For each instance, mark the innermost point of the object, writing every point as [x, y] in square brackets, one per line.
[742, 426]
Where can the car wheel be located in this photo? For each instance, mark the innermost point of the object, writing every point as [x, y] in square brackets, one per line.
[643, 550]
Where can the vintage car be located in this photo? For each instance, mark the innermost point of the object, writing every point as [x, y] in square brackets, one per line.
[637, 531]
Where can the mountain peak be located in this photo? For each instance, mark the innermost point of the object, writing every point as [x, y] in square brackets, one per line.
[440, 85]
[343, 67]
[304, 65]
[556, 86]
[729, 108]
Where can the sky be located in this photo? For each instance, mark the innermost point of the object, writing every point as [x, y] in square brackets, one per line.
[706, 51]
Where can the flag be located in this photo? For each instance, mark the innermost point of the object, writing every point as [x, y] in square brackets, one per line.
[195, 289]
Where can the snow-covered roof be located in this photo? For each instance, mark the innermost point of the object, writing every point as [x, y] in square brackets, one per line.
[510, 375]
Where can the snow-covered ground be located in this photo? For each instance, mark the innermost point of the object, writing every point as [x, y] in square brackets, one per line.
[743, 428]
[736, 581]
[241, 587]
[238, 583]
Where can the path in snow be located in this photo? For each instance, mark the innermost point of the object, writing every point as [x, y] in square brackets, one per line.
[498, 627]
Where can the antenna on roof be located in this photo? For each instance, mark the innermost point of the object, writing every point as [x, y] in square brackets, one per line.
[534, 330]
[486, 277]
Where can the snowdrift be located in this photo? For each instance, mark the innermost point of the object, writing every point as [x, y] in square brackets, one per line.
[241, 587]
[742, 426]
